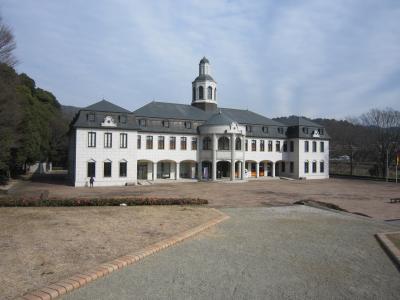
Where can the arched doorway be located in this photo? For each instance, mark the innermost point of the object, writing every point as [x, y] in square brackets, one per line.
[206, 170]
[266, 168]
[223, 169]
[187, 169]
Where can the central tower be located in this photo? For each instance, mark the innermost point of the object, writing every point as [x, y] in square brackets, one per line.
[204, 88]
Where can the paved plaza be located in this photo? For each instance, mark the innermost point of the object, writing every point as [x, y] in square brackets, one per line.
[293, 252]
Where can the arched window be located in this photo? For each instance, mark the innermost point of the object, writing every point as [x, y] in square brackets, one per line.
[201, 93]
[209, 92]
[215, 94]
[194, 94]
[223, 143]
[238, 145]
[207, 143]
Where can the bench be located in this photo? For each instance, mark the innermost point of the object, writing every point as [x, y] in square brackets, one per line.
[394, 200]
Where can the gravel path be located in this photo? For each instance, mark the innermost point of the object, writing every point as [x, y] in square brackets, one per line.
[264, 253]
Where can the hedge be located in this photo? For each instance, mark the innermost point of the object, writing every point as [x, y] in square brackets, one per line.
[103, 201]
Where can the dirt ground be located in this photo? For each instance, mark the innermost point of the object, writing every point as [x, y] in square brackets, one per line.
[42, 245]
[395, 238]
[362, 196]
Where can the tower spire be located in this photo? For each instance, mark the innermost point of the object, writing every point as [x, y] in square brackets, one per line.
[204, 88]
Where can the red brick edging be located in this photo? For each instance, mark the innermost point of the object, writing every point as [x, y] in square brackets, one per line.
[62, 287]
[392, 250]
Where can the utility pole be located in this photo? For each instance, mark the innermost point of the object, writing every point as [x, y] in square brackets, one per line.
[387, 164]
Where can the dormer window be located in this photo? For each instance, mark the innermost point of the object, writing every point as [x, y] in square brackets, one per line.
[265, 129]
[165, 123]
[280, 130]
[248, 128]
[321, 131]
[305, 130]
[188, 124]
[91, 117]
[142, 122]
[122, 119]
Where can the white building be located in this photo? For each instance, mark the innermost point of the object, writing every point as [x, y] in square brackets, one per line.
[199, 141]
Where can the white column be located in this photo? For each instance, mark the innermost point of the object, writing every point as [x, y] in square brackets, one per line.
[154, 171]
[177, 169]
[273, 169]
[214, 157]
[199, 171]
[233, 156]
[257, 169]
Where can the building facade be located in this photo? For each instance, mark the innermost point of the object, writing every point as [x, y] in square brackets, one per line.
[199, 141]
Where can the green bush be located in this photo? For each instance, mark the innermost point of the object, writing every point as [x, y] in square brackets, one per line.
[43, 200]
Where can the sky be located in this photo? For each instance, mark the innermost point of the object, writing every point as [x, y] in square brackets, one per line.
[331, 59]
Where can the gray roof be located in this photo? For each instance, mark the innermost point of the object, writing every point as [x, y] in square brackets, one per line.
[248, 117]
[106, 106]
[204, 77]
[165, 110]
[219, 118]
[204, 60]
[299, 121]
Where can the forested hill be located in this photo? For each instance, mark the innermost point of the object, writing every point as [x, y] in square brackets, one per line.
[32, 126]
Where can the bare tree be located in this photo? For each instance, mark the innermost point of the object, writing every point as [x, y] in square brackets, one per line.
[385, 133]
[7, 45]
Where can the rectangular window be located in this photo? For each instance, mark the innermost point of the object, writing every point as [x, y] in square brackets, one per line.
[291, 146]
[322, 146]
[107, 169]
[122, 169]
[306, 167]
[247, 145]
[248, 128]
[283, 166]
[142, 123]
[306, 146]
[269, 146]
[160, 143]
[149, 142]
[188, 125]
[91, 169]
[262, 145]
[321, 167]
[314, 146]
[253, 145]
[314, 167]
[91, 117]
[122, 119]
[183, 143]
[172, 143]
[278, 146]
[194, 143]
[139, 141]
[284, 146]
[107, 140]
[123, 140]
[291, 167]
[92, 139]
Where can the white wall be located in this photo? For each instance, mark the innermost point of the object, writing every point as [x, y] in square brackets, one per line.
[100, 154]
[311, 156]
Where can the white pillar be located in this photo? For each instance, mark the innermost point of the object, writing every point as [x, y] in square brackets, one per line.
[273, 169]
[214, 157]
[257, 169]
[233, 156]
[199, 171]
[177, 169]
[240, 170]
[154, 171]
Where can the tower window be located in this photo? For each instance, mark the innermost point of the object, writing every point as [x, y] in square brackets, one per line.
[201, 93]
[215, 94]
[209, 92]
[194, 94]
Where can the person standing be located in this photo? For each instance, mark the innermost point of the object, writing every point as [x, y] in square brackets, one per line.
[91, 181]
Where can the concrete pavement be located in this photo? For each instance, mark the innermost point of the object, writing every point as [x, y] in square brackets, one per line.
[293, 252]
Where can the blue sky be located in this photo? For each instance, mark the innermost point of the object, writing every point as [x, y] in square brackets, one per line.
[313, 58]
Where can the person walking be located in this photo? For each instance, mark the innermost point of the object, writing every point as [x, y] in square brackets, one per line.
[91, 181]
